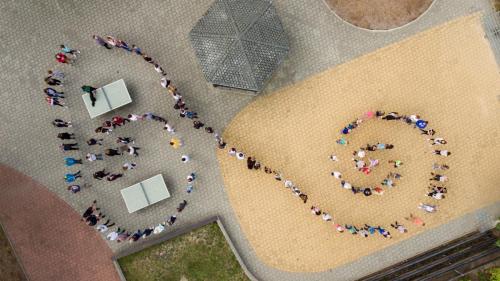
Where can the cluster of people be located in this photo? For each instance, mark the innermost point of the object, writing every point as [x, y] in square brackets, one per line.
[435, 191]
[361, 165]
[92, 215]
[110, 42]
[54, 96]
[53, 91]
[125, 147]
[390, 179]
[438, 190]
[118, 121]
[253, 164]
[190, 182]
[413, 120]
[95, 218]
[368, 191]
[363, 231]
[70, 178]
[70, 161]
[55, 78]
[378, 146]
[66, 55]
[109, 125]
[367, 167]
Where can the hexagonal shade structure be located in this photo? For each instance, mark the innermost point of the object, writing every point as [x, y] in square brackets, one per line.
[239, 43]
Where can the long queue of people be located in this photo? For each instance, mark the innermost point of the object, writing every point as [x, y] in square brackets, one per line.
[110, 42]
[93, 217]
[54, 79]
[54, 95]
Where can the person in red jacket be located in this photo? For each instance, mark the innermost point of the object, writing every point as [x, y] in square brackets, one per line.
[62, 58]
[118, 120]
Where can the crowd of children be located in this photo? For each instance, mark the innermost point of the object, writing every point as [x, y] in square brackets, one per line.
[110, 42]
[436, 191]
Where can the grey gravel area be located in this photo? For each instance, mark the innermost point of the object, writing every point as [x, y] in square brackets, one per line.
[30, 32]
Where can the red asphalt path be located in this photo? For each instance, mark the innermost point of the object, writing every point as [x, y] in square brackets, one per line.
[47, 234]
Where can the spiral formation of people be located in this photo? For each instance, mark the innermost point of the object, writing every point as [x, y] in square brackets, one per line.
[365, 159]
[302, 175]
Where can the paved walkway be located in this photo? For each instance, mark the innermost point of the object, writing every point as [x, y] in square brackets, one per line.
[47, 233]
[31, 32]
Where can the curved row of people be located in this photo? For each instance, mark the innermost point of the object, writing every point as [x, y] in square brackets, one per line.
[93, 217]
[413, 120]
[436, 192]
[118, 121]
[125, 148]
[54, 94]
[110, 42]
[388, 181]
[54, 79]
[366, 230]
[70, 161]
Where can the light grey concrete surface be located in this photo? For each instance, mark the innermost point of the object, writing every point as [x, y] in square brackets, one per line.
[30, 32]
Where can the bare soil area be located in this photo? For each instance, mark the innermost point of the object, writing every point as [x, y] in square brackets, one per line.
[379, 14]
[447, 74]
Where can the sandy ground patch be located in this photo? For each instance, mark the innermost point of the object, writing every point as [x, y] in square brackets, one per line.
[379, 14]
[447, 74]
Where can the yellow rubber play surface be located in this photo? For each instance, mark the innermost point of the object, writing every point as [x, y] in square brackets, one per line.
[448, 75]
